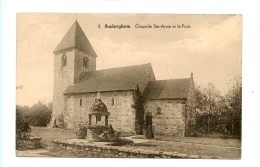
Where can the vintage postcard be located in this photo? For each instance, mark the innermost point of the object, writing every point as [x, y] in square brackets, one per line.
[129, 85]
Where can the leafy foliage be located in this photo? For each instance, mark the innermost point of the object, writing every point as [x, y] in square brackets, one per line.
[59, 121]
[111, 132]
[81, 131]
[219, 113]
[149, 132]
[22, 127]
[37, 115]
[122, 142]
[208, 99]
[139, 106]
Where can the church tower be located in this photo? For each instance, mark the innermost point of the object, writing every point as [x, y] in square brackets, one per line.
[73, 57]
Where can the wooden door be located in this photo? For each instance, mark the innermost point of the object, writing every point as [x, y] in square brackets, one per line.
[149, 121]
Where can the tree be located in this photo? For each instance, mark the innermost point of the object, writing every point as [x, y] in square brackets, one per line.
[39, 114]
[208, 102]
[139, 106]
[208, 99]
[220, 113]
[234, 105]
[22, 126]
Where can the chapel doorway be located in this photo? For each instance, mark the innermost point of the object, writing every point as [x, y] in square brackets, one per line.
[148, 119]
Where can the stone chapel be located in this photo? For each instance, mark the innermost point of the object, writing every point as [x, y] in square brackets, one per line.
[169, 104]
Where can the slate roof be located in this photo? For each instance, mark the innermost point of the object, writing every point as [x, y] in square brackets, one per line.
[114, 79]
[75, 38]
[168, 89]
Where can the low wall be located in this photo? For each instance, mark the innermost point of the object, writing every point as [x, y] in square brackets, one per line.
[80, 145]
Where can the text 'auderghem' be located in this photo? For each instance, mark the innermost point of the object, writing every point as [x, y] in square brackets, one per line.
[119, 26]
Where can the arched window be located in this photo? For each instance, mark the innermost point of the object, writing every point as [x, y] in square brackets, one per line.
[64, 60]
[158, 110]
[85, 62]
[112, 101]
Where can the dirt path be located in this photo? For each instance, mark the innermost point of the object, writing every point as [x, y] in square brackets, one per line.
[31, 153]
[203, 144]
[188, 143]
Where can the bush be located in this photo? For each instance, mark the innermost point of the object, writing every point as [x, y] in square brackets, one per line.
[22, 127]
[59, 121]
[223, 123]
[37, 115]
[111, 132]
[121, 142]
[81, 131]
[149, 132]
[55, 124]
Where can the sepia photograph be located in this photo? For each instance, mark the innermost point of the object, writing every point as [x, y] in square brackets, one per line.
[129, 85]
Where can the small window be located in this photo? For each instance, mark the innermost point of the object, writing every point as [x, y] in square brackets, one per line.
[64, 60]
[85, 62]
[158, 110]
[112, 101]
[80, 102]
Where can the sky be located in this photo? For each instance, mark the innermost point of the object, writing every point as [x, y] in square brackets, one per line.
[211, 48]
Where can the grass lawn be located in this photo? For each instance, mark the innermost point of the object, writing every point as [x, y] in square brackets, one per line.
[193, 148]
[198, 140]
[49, 134]
[217, 148]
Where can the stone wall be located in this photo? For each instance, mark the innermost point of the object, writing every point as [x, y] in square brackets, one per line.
[122, 115]
[190, 115]
[82, 148]
[171, 119]
[67, 75]
[78, 64]
[177, 117]
[63, 77]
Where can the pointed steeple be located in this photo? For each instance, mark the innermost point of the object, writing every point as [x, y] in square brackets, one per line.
[75, 38]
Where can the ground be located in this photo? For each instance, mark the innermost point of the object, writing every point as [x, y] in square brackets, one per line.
[216, 148]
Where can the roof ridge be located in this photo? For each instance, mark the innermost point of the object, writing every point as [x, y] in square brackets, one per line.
[75, 33]
[162, 89]
[121, 67]
[170, 79]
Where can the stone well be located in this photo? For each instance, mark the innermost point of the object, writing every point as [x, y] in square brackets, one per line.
[98, 132]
